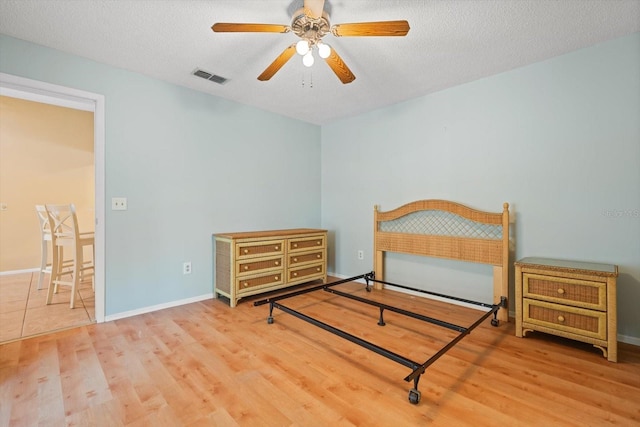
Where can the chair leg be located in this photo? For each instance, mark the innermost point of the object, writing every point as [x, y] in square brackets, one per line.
[58, 266]
[56, 272]
[43, 264]
[77, 268]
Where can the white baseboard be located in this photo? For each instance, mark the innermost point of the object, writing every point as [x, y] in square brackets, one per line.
[621, 338]
[149, 309]
[28, 270]
[629, 340]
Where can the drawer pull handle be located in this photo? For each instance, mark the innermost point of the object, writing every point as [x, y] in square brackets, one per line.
[318, 269]
[295, 260]
[277, 248]
[276, 278]
[318, 256]
[246, 251]
[318, 242]
[560, 318]
[245, 284]
[560, 291]
[295, 274]
[277, 262]
[246, 267]
[295, 245]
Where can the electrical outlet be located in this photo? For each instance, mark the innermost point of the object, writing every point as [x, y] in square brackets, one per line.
[118, 203]
[186, 267]
[360, 254]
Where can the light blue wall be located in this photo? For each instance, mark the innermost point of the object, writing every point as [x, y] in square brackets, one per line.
[190, 165]
[559, 140]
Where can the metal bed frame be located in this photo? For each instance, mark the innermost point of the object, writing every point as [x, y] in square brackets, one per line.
[432, 228]
[417, 368]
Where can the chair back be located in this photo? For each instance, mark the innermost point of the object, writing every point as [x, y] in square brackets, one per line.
[45, 222]
[64, 224]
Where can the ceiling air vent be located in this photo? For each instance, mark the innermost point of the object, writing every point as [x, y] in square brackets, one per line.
[209, 76]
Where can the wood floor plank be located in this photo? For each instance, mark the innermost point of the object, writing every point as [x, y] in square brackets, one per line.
[205, 364]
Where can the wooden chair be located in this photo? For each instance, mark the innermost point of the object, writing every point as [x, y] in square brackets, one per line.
[66, 235]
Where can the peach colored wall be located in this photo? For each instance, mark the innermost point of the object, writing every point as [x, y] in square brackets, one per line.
[46, 156]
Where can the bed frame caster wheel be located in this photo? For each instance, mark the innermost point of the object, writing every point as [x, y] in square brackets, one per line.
[270, 319]
[495, 322]
[414, 396]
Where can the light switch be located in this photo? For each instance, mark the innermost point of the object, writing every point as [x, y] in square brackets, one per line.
[118, 203]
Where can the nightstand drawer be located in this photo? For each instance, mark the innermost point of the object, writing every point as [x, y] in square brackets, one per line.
[254, 249]
[574, 320]
[306, 243]
[255, 266]
[563, 290]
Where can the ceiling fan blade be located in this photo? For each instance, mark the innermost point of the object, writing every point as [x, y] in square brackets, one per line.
[278, 63]
[339, 67]
[313, 8]
[226, 27]
[380, 28]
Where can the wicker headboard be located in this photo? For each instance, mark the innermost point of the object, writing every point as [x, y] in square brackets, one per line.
[444, 229]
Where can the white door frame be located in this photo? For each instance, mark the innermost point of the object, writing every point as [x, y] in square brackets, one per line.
[34, 90]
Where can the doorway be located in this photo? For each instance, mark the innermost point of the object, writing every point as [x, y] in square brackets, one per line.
[41, 92]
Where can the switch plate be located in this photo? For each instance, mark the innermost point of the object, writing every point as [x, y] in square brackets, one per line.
[118, 203]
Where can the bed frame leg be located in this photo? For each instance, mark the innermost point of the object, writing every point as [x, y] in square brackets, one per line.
[503, 304]
[495, 321]
[270, 318]
[367, 277]
[381, 320]
[414, 393]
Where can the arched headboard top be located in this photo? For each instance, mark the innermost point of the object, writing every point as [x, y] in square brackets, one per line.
[443, 205]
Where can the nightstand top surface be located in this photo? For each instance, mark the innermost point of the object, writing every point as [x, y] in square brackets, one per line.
[562, 264]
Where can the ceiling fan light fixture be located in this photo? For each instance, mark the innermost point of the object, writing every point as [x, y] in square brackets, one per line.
[302, 47]
[308, 59]
[324, 50]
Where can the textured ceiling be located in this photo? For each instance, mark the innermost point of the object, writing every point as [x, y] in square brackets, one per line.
[450, 43]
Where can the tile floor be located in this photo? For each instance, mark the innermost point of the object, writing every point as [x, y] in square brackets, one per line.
[24, 312]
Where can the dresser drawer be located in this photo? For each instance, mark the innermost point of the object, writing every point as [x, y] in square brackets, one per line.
[252, 266]
[563, 290]
[247, 284]
[574, 320]
[304, 273]
[306, 243]
[263, 248]
[305, 258]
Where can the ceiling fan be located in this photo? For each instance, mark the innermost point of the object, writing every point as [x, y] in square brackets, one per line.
[311, 24]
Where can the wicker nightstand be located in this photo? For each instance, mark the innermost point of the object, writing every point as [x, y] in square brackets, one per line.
[571, 299]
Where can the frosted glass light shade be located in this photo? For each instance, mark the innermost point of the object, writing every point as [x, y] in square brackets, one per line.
[307, 59]
[324, 50]
[302, 47]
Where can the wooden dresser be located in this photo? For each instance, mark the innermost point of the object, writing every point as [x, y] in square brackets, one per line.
[251, 263]
[571, 299]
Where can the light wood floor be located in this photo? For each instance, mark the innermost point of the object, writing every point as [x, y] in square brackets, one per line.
[24, 312]
[205, 364]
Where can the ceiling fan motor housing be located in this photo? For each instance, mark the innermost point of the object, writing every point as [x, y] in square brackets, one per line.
[308, 28]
